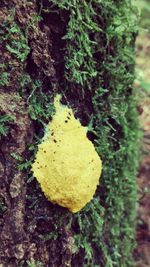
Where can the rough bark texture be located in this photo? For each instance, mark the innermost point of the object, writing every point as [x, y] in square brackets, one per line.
[17, 232]
[14, 240]
[37, 63]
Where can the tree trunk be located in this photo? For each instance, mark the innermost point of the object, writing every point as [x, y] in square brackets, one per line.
[83, 50]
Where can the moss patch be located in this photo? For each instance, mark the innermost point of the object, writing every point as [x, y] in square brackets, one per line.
[97, 83]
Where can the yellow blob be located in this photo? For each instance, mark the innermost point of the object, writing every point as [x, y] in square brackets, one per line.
[67, 166]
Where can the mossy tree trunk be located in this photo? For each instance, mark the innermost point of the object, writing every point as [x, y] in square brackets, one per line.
[85, 51]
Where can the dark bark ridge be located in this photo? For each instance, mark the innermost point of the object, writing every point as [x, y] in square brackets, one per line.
[14, 240]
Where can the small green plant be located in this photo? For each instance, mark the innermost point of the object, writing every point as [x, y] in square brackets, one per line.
[4, 124]
[40, 104]
[34, 264]
[4, 80]
[50, 236]
[17, 43]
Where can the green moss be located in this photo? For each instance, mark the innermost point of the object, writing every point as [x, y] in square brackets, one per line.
[34, 264]
[40, 105]
[4, 124]
[99, 60]
[4, 79]
[17, 42]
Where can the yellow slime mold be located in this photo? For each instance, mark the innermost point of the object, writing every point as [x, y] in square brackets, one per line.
[67, 166]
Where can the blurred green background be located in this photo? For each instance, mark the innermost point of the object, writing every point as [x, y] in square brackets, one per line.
[143, 47]
[142, 85]
[144, 6]
[142, 81]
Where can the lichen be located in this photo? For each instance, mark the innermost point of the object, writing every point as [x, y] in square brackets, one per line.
[66, 177]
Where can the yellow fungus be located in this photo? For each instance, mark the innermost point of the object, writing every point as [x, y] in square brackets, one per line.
[67, 166]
